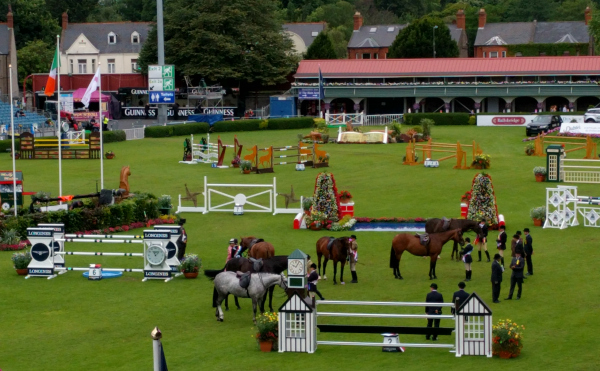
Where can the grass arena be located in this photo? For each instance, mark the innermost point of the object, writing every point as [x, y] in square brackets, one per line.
[70, 323]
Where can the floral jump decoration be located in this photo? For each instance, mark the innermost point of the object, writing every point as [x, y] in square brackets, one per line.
[483, 201]
[507, 339]
[326, 200]
[267, 325]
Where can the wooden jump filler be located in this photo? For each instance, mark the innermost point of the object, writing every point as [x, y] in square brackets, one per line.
[453, 151]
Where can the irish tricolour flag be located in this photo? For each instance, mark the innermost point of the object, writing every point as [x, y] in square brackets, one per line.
[51, 84]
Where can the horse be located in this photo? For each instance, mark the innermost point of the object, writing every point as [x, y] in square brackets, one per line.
[412, 244]
[276, 264]
[124, 182]
[257, 247]
[435, 225]
[228, 283]
[338, 253]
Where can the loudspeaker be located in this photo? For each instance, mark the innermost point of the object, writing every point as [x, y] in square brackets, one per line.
[106, 197]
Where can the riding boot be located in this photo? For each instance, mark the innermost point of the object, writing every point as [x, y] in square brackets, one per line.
[502, 260]
[470, 274]
[354, 277]
[479, 255]
[488, 255]
[467, 275]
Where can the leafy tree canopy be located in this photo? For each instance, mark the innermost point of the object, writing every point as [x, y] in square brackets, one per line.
[78, 10]
[338, 14]
[32, 21]
[416, 41]
[34, 57]
[321, 48]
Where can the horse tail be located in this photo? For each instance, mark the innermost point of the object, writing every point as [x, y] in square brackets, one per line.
[212, 273]
[215, 296]
[393, 259]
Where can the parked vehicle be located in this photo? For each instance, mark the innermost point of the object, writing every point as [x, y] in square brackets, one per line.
[592, 115]
[542, 123]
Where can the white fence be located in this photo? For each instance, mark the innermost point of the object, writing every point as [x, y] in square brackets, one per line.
[239, 199]
[344, 118]
[580, 173]
[380, 120]
[135, 133]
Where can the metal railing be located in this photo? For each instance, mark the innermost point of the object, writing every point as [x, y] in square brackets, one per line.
[344, 118]
[135, 133]
[380, 120]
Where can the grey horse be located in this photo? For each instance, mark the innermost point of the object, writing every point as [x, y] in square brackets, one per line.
[228, 283]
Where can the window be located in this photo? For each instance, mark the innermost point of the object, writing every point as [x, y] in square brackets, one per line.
[295, 325]
[386, 55]
[112, 38]
[518, 54]
[391, 29]
[503, 54]
[357, 56]
[315, 33]
[111, 65]
[474, 328]
[134, 65]
[483, 54]
[366, 56]
[70, 66]
[135, 38]
[373, 29]
[82, 65]
[493, 54]
[376, 56]
[93, 65]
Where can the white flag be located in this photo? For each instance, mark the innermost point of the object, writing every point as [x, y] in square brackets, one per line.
[91, 88]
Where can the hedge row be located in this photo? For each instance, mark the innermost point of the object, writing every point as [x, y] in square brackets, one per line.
[6, 145]
[439, 118]
[114, 136]
[176, 130]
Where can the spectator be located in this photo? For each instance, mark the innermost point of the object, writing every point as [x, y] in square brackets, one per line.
[433, 297]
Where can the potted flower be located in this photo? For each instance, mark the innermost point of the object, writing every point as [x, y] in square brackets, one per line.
[245, 166]
[538, 214]
[530, 149]
[236, 161]
[190, 265]
[316, 220]
[307, 204]
[345, 197]
[481, 161]
[164, 204]
[268, 330]
[109, 155]
[540, 173]
[507, 339]
[21, 261]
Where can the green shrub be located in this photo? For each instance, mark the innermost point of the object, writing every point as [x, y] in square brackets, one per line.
[472, 120]
[239, 125]
[438, 118]
[114, 136]
[291, 123]
[158, 131]
[6, 144]
[426, 124]
[263, 125]
[190, 128]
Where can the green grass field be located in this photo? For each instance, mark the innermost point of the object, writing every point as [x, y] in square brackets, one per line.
[69, 323]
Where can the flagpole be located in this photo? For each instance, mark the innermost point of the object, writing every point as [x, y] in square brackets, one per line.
[101, 127]
[12, 127]
[59, 126]
[320, 114]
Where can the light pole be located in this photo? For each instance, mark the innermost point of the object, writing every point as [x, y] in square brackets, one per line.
[434, 27]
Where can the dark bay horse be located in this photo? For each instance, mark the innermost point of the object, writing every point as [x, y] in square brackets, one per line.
[411, 243]
[276, 264]
[339, 253]
[435, 225]
[257, 247]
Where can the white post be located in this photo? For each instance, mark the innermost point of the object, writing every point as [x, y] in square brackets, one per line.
[327, 117]
[12, 128]
[339, 134]
[58, 126]
[274, 201]
[385, 136]
[156, 348]
[205, 196]
[101, 127]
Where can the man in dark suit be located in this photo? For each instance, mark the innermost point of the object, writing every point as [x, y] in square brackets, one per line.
[497, 271]
[433, 297]
[459, 297]
[517, 264]
[528, 252]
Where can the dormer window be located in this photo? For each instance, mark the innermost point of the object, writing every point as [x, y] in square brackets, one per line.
[135, 38]
[112, 38]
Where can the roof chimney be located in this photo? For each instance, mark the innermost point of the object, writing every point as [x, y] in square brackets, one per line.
[358, 21]
[460, 19]
[65, 20]
[588, 15]
[482, 18]
[10, 21]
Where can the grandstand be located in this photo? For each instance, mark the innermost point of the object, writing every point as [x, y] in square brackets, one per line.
[31, 122]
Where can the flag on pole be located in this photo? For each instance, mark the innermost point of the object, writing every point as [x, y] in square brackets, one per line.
[321, 90]
[51, 83]
[91, 88]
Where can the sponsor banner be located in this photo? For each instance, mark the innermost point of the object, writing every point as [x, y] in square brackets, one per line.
[580, 128]
[66, 102]
[140, 112]
[160, 235]
[517, 120]
[87, 116]
[305, 93]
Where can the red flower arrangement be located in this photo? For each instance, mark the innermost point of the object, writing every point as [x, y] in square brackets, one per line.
[466, 197]
[345, 194]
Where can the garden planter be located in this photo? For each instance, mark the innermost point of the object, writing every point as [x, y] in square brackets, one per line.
[266, 346]
[315, 228]
[164, 211]
[190, 274]
[345, 200]
[537, 222]
[235, 165]
[321, 164]
[476, 166]
[540, 177]
[110, 156]
[529, 152]
[505, 355]
[247, 171]
[22, 272]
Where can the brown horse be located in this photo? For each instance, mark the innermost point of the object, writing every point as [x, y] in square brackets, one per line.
[338, 252]
[257, 247]
[435, 225]
[412, 244]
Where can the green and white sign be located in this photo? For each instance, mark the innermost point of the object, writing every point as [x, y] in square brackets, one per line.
[161, 78]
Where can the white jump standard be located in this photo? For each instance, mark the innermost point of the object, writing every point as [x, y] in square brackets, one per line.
[43, 254]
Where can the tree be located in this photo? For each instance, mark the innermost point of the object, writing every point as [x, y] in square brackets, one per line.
[339, 40]
[338, 14]
[78, 10]
[407, 10]
[528, 10]
[416, 41]
[34, 57]
[321, 48]
[32, 21]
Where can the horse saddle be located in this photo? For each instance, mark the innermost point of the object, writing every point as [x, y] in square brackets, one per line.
[257, 264]
[445, 223]
[244, 279]
[330, 243]
[255, 241]
[423, 238]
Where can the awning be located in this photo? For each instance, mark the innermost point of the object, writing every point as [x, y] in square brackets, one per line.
[79, 93]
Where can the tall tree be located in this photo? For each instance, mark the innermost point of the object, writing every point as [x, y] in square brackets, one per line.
[78, 10]
[339, 40]
[416, 41]
[321, 48]
[408, 10]
[338, 14]
[34, 57]
[32, 21]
